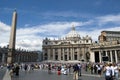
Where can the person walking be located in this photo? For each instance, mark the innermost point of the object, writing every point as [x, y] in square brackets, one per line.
[109, 72]
[99, 69]
[79, 71]
[25, 67]
[17, 70]
[91, 68]
[113, 72]
[59, 70]
[75, 72]
[49, 68]
[95, 68]
[116, 70]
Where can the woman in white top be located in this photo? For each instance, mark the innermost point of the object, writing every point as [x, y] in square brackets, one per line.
[108, 72]
[116, 70]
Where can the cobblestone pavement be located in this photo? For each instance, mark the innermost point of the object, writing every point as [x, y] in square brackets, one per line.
[43, 75]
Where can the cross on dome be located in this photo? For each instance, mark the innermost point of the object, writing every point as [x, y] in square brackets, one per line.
[73, 27]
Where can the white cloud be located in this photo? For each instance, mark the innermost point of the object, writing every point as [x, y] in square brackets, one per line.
[30, 44]
[4, 34]
[27, 37]
[115, 28]
[4, 27]
[30, 38]
[59, 26]
[109, 18]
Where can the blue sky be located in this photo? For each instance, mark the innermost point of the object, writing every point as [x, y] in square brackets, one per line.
[38, 19]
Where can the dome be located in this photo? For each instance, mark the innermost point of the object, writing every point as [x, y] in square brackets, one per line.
[73, 34]
[87, 37]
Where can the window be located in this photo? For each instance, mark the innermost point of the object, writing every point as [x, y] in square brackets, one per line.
[75, 41]
[86, 41]
[75, 57]
[46, 43]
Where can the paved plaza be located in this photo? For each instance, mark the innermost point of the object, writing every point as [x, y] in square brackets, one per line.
[44, 75]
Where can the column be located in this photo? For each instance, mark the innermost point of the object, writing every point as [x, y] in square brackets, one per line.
[78, 54]
[59, 54]
[111, 56]
[100, 57]
[92, 56]
[71, 51]
[53, 54]
[83, 53]
[63, 54]
[116, 58]
[48, 53]
[67, 53]
[106, 53]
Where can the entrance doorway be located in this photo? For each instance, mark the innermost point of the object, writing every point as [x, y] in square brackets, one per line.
[97, 56]
[65, 57]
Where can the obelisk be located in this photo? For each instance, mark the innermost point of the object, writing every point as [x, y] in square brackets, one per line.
[11, 47]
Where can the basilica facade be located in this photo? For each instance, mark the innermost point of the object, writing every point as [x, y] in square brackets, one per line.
[70, 48]
[73, 48]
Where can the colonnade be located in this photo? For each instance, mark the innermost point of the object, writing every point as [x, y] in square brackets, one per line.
[113, 55]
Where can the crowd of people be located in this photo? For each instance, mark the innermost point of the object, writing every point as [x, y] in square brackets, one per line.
[110, 71]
